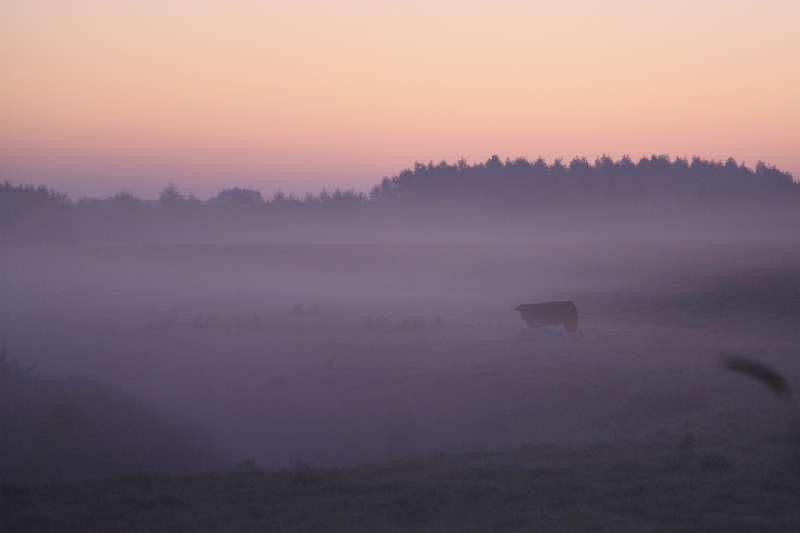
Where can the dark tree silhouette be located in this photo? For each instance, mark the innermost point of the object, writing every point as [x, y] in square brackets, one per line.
[237, 197]
[171, 197]
[30, 213]
[605, 188]
[658, 175]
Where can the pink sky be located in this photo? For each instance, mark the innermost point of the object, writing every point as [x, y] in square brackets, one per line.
[100, 96]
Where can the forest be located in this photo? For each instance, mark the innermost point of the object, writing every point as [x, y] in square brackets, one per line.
[492, 194]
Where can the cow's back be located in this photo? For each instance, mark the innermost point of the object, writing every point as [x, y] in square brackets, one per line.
[551, 314]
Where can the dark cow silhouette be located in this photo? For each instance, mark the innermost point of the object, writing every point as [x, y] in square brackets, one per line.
[550, 314]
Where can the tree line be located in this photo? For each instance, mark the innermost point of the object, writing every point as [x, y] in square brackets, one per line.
[525, 181]
[33, 213]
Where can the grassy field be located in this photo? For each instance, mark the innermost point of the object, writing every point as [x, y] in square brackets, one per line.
[327, 388]
[673, 484]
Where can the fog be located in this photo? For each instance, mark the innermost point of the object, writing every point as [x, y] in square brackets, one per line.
[342, 354]
[191, 336]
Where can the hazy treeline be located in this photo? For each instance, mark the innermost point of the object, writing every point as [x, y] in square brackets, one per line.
[29, 213]
[443, 194]
[523, 181]
[34, 213]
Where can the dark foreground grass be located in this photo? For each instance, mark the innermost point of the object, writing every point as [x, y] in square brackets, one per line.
[666, 485]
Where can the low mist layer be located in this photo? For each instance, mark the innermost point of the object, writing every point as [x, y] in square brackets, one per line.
[338, 355]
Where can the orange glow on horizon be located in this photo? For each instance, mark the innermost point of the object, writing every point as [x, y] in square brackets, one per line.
[323, 94]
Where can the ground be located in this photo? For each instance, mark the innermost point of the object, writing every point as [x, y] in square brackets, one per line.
[671, 485]
[308, 388]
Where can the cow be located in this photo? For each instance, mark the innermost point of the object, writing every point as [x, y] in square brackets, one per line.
[550, 314]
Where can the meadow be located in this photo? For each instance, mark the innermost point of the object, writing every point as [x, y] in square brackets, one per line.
[365, 387]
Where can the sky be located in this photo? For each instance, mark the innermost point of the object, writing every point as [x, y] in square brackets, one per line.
[103, 96]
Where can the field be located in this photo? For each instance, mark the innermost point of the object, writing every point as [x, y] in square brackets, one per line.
[394, 388]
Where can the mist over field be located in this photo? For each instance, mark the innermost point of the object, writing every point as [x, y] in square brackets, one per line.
[260, 271]
[186, 336]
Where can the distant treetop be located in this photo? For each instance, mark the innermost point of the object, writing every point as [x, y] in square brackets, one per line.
[509, 182]
[520, 178]
[29, 213]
